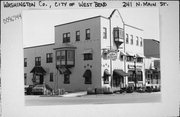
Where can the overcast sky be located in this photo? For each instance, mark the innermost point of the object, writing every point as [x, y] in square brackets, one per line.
[38, 25]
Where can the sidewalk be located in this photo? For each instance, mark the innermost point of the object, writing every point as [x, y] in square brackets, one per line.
[76, 94]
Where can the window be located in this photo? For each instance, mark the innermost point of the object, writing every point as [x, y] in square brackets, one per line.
[66, 78]
[139, 59]
[104, 33]
[130, 77]
[77, 35]
[121, 57]
[139, 76]
[137, 41]
[141, 41]
[49, 57]
[66, 37]
[25, 78]
[65, 58]
[131, 39]
[130, 58]
[25, 62]
[51, 77]
[88, 56]
[37, 61]
[118, 33]
[87, 34]
[127, 38]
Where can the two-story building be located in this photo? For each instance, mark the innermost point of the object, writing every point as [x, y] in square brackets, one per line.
[89, 53]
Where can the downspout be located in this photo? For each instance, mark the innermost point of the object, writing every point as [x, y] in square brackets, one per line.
[124, 52]
[110, 59]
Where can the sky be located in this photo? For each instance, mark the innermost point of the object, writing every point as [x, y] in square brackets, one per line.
[38, 25]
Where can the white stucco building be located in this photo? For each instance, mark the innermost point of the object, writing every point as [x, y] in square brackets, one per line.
[89, 53]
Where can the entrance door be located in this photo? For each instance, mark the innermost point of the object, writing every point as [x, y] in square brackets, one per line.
[41, 79]
[116, 81]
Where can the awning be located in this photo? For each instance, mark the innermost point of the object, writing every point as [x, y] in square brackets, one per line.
[87, 51]
[38, 70]
[122, 53]
[120, 72]
[87, 74]
[140, 55]
[129, 54]
[64, 70]
[106, 73]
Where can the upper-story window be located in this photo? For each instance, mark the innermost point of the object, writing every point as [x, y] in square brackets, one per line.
[66, 37]
[137, 40]
[104, 33]
[141, 41]
[77, 35]
[139, 60]
[118, 33]
[131, 39]
[87, 34]
[88, 56]
[37, 61]
[130, 58]
[49, 57]
[25, 62]
[127, 38]
[65, 58]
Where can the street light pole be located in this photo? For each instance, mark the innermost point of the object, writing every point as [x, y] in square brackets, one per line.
[135, 82]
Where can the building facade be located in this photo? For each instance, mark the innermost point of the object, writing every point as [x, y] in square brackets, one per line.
[90, 53]
[152, 63]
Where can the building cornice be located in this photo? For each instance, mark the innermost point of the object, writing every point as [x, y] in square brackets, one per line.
[39, 46]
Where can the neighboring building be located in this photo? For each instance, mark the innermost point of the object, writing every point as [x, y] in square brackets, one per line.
[90, 53]
[151, 48]
[152, 62]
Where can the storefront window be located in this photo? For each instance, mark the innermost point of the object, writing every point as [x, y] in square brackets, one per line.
[131, 75]
[139, 60]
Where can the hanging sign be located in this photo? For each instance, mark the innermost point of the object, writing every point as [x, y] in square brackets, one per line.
[112, 55]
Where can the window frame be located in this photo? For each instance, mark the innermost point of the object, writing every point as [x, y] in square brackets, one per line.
[104, 33]
[88, 34]
[78, 35]
[65, 58]
[49, 57]
[66, 78]
[51, 77]
[131, 39]
[25, 78]
[66, 37]
[137, 40]
[37, 61]
[127, 38]
[25, 62]
[88, 56]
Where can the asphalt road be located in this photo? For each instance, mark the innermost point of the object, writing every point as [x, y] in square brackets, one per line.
[94, 99]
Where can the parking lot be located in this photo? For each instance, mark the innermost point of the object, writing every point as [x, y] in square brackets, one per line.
[94, 99]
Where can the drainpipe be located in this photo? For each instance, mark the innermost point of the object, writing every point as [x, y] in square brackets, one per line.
[124, 52]
[110, 59]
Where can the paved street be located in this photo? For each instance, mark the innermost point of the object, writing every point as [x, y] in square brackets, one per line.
[95, 99]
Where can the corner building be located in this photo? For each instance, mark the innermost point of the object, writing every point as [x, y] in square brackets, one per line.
[89, 53]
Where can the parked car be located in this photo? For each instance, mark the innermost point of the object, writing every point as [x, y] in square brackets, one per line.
[129, 90]
[141, 89]
[28, 89]
[41, 89]
[149, 89]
